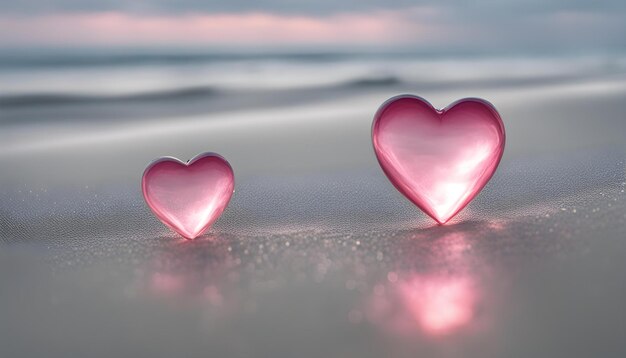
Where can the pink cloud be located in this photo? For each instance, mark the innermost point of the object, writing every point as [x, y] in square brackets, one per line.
[114, 28]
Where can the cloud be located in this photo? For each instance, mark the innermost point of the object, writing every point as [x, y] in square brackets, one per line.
[483, 25]
[116, 28]
[153, 7]
[507, 8]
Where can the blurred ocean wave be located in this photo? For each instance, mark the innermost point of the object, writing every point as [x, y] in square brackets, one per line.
[52, 99]
[51, 105]
[93, 59]
[51, 86]
[67, 78]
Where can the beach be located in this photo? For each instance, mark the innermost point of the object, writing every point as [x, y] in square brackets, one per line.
[317, 253]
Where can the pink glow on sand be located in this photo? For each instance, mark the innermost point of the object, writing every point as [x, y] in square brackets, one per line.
[167, 283]
[440, 305]
[434, 305]
[115, 28]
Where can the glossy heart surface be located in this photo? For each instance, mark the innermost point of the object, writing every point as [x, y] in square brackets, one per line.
[188, 197]
[439, 159]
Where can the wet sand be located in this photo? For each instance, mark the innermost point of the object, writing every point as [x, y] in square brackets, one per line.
[317, 254]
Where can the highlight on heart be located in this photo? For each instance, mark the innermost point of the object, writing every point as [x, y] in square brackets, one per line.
[438, 159]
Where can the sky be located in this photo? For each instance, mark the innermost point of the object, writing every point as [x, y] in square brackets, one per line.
[428, 24]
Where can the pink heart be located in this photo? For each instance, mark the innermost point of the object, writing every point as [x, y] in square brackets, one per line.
[188, 197]
[439, 159]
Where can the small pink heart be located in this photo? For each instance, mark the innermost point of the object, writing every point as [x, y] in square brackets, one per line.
[188, 197]
[439, 159]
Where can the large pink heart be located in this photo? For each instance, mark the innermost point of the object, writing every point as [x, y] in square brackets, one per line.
[188, 197]
[439, 159]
